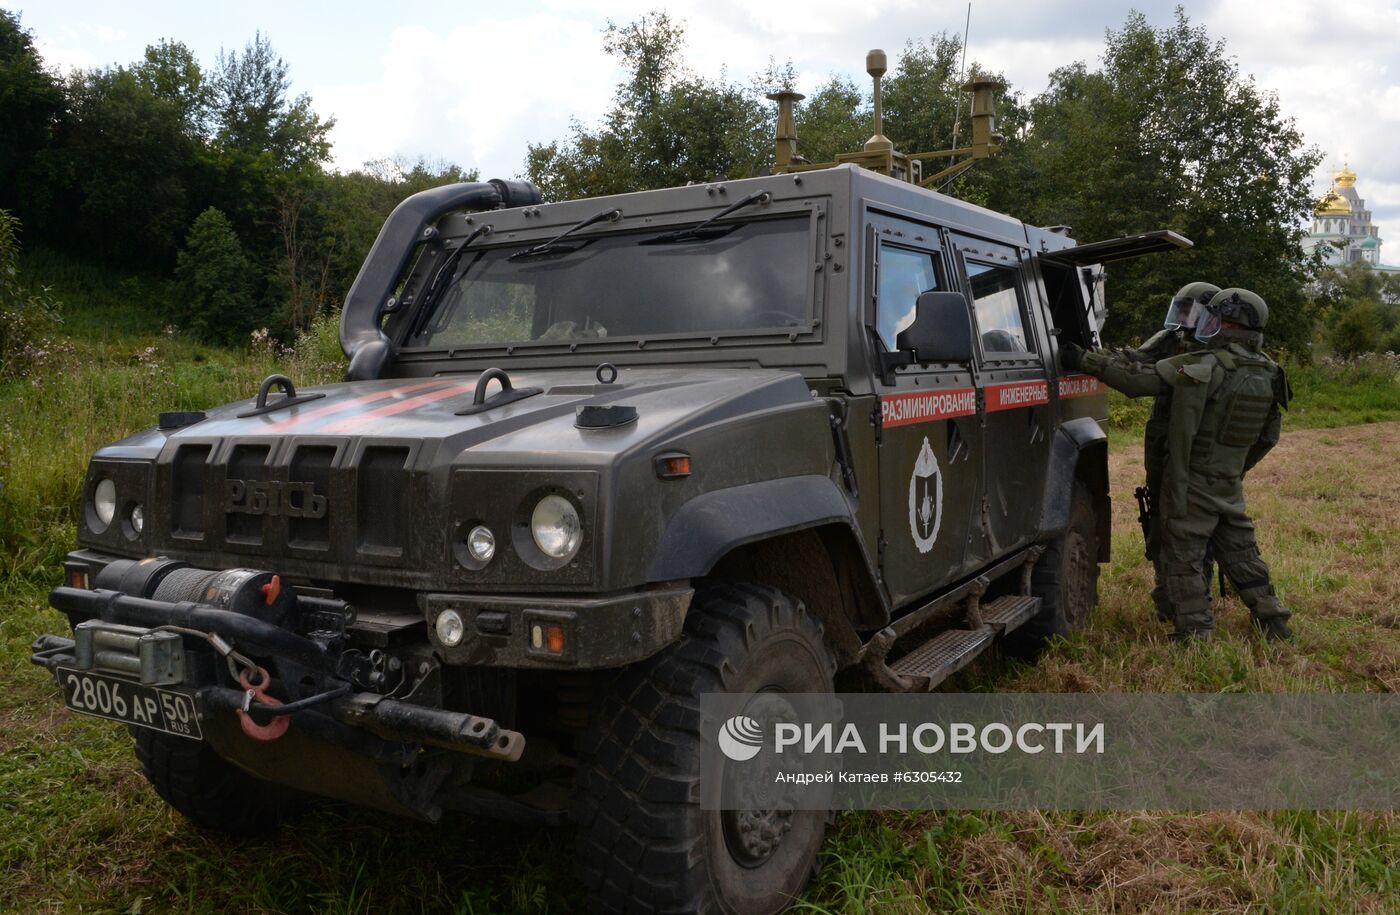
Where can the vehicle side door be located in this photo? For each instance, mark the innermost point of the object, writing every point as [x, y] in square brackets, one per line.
[929, 431]
[1016, 387]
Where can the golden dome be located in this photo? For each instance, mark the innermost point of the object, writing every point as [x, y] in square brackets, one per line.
[1345, 178]
[1333, 203]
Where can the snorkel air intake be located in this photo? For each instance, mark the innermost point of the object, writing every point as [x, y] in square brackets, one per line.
[360, 335]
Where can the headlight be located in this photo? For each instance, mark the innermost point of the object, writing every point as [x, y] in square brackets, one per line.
[450, 628]
[481, 543]
[556, 528]
[138, 518]
[104, 501]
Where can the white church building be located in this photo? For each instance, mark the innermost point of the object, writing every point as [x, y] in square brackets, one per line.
[1342, 225]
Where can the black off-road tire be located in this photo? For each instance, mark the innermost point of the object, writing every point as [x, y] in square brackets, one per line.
[209, 791]
[644, 844]
[1066, 579]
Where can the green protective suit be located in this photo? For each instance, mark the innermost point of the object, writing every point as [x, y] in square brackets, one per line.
[1224, 417]
[1162, 345]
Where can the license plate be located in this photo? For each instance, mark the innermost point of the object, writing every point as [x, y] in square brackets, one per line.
[130, 703]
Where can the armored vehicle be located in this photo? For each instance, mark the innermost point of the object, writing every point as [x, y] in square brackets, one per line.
[592, 460]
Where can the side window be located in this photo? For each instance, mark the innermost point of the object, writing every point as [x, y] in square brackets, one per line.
[904, 274]
[997, 300]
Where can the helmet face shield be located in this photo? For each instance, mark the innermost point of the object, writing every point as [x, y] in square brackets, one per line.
[1188, 305]
[1181, 313]
[1209, 326]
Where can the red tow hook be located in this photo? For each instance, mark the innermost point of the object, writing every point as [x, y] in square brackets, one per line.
[274, 728]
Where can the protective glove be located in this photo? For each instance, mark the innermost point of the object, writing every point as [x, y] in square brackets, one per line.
[1071, 355]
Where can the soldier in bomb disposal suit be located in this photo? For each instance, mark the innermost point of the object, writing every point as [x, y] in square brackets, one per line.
[1226, 397]
[1173, 339]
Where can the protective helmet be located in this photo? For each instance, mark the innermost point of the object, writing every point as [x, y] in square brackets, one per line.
[1238, 305]
[1187, 305]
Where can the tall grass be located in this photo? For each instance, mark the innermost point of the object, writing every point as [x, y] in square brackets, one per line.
[97, 383]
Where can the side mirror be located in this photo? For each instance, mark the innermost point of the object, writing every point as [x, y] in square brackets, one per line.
[942, 329]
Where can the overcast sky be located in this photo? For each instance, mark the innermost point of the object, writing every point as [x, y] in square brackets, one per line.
[473, 82]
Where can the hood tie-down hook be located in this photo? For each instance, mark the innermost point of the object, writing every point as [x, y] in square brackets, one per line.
[507, 394]
[290, 396]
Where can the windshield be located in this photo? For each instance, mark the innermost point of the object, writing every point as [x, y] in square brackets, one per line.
[753, 278]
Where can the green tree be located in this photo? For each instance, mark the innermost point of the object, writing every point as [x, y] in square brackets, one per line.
[131, 161]
[32, 109]
[833, 120]
[1168, 134]
[667, 126]
[355, 205]
[255, 115]
[213, 276]
[169, 71]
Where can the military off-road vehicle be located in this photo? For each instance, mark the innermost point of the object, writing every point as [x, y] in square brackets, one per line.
[592, 460]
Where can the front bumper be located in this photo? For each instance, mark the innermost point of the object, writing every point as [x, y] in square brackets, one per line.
[385, 715]
[141, 661]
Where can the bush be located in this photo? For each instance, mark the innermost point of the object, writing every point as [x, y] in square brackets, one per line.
[215, 301]
[1391, 343]
[316, 355]
[1357, 329]
[26, 317]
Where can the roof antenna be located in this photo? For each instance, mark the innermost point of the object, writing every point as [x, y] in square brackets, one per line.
[875, 65]
[957, 109]
[785, 136]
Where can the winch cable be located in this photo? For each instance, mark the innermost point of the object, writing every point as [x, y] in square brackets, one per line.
[298, 705]
[240, 666]
[237, 662]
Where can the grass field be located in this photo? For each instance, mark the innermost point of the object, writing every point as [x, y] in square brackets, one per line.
[81, 831]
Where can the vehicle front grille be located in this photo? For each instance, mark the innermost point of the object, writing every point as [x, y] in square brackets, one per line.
[321, 500]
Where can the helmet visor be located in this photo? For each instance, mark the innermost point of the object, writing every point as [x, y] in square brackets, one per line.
[1209, 327]
[1181, 313]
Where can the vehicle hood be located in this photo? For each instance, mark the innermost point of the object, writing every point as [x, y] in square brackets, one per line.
[425, 410]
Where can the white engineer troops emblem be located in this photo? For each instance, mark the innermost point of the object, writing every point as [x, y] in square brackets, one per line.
[925, 499]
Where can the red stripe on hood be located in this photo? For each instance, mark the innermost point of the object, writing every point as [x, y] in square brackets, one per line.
[343, 405]
[351, 425]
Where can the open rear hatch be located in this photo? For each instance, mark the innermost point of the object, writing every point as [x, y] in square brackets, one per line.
[1074, 279]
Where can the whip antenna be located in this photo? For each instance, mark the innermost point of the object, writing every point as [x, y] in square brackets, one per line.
[962, 78]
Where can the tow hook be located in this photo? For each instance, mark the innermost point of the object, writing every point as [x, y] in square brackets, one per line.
[257, 693]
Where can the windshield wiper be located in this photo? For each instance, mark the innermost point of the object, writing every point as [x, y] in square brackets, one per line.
[553, 244]
[436, 287]
[699, 232]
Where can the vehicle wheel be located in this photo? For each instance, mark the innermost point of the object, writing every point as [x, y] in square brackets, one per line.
[644, 843]
[1066, 579]
[211, 792]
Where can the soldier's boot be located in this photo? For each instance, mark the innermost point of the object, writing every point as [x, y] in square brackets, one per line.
[1269, 613]
[1197, 626]
[1249, 574]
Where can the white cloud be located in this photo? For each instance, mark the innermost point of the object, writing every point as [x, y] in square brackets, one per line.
[455, 96]
[104, 33]
[64, 59]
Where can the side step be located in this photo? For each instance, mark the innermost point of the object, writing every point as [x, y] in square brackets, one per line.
[942, 656]
[953, 649]
[1009, 612]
